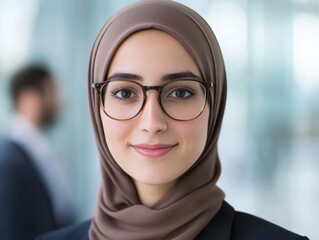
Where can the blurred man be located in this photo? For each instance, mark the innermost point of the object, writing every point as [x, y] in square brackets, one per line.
[33, 195]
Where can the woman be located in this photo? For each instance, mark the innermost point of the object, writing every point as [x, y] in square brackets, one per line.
[157, 102]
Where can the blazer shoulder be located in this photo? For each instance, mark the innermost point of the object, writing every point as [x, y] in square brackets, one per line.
[12, 155]
[15, 163]
[16, 166]
[246, 226]
[78, 231]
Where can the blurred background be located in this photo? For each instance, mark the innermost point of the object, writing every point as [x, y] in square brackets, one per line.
[269, 145]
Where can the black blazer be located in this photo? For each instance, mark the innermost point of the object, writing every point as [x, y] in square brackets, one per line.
[226, 225]
[25, 207]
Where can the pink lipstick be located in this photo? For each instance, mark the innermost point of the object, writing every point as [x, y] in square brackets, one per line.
[153, 150]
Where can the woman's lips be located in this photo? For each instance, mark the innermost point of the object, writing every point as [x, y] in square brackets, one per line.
[153, 150]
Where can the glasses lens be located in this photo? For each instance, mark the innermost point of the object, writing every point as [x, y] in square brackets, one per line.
[183, 100]
[122, 99]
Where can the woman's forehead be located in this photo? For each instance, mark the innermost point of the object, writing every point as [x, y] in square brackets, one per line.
[148, 40]
[152, 53]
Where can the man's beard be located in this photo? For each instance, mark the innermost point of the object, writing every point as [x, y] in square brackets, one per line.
[49, 118]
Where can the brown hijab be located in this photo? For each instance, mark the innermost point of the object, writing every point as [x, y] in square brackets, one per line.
[189, 206]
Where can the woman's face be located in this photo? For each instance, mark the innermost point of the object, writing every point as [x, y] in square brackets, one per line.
[152, 148]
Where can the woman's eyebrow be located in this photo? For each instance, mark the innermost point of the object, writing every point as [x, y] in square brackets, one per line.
[124, 76]
[166, 77]
[180, 75]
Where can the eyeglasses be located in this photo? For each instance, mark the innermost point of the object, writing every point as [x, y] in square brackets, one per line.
[181, 100]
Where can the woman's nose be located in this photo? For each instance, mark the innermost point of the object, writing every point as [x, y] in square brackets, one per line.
[152, 119]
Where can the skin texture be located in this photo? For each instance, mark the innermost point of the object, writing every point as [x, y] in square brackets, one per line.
[151, 54]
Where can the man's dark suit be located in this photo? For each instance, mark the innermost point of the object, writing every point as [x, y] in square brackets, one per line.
[226, 225]
[25, 208]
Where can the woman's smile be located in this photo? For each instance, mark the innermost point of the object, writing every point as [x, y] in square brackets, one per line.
[153, 150]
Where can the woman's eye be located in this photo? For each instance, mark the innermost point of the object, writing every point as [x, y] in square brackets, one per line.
[124, 94]
[181, 93]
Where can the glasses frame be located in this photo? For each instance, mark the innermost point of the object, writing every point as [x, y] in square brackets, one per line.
[206, 85]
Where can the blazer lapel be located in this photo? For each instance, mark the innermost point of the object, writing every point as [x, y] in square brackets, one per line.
[219, 228]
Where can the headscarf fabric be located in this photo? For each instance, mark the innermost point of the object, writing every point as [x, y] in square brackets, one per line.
[195, 199]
